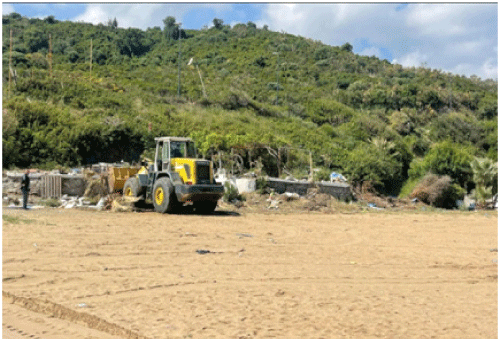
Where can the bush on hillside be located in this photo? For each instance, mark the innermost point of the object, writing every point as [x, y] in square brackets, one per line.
[438, 191]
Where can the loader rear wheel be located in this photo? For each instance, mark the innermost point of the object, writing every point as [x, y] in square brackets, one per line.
[164, 199]
[132, 188]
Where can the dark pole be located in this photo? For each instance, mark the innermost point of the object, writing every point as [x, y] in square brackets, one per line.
[277, 79]
[179, 61]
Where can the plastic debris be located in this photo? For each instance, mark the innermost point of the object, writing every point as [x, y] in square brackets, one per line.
[337, 177]
[246, 235]
[274, 204]
[373, 206]
[291, 196]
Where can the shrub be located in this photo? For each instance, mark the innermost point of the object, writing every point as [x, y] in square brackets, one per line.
[231, 193]
[445, 158]
[438, 191]
[261, 185]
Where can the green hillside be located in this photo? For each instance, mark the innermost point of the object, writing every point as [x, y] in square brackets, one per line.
[271, 100]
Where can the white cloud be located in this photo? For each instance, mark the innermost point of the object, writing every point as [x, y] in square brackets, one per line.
[127, 15]
[443, 36]
[469, 47]
[372, 51]
[441, 20]
[413, 59]
[142, 15]
[489, 69]
[7, 9]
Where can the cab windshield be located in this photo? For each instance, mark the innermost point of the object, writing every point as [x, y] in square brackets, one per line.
[181, 149]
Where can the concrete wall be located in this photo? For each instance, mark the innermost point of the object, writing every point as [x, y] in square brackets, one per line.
[339, 190]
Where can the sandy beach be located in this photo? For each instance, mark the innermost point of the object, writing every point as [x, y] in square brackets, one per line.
[87, 274]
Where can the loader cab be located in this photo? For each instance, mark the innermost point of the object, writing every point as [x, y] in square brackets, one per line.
[168, 148]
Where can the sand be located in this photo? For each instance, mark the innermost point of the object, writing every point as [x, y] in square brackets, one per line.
[86, 274]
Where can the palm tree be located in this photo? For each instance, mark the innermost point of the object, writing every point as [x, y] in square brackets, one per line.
[485, 174]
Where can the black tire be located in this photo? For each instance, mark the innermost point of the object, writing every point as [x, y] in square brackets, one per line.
[164, 199]
[205, 207]
[132, 188]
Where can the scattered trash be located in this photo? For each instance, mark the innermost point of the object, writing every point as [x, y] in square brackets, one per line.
[274, 204]
[246, 235]
[203, 251]
[414, 200]
[82, 305]
[337, 177]
[373, 206]
[124, 204]
[291, 196]
[101, 203]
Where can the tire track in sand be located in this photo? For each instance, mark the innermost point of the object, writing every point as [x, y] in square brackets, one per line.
[58, 311]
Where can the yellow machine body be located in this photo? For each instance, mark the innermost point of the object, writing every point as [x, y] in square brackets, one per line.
[186, 168]
[118, 175]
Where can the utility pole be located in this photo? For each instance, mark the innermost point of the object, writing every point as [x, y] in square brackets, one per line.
[10, 61]
[179, 64]
[277, 78]
[311, 171]
[449, 101]
[201, 80]
[91, 58]
[50, 55]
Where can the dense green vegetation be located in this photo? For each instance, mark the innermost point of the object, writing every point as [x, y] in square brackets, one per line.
[272, 99]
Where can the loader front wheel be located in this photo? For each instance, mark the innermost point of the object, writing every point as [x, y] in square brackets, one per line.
[164, 200]
[132, 187]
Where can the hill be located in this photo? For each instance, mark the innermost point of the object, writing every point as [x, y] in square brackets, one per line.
[256, 98]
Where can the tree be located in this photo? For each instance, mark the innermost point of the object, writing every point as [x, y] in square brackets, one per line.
[36, 39]
[171, 29]
[346, 47]
[485, 175]
[113, 23]
[445, 158]
[218, 23]
[50, 19]
[374, 164]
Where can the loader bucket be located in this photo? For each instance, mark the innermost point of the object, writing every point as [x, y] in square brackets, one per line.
[118, 175]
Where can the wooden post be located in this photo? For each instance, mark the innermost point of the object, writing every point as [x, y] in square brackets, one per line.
[50, 55]
[311, 174]
[10, 62]
[179, 65]
[202, 85]
[278, 160]
[91, 58]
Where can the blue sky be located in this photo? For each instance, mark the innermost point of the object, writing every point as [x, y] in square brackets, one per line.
[453, 37]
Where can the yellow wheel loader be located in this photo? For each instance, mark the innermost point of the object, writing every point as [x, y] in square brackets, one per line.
[176, 178]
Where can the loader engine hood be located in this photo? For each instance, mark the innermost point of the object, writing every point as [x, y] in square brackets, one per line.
[193, 171]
